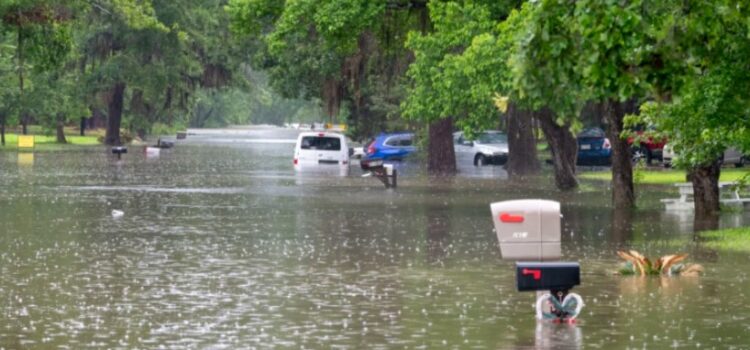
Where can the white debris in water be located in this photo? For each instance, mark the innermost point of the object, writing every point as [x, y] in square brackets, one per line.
[117, 213]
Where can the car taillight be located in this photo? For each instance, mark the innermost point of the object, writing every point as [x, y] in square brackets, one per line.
[371, 148]
[296, 161]
[606, 144]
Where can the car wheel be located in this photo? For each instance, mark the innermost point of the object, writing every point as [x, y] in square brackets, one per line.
[480, 160]
[649, 156]
[636, 154]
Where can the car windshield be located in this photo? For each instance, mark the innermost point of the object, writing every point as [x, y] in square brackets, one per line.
[321, 143]
[492, 137]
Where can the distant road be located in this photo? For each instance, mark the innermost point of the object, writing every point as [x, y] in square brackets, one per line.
[245, 134]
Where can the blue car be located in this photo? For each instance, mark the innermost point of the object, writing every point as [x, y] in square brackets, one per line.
[594, 148]
[388, 146]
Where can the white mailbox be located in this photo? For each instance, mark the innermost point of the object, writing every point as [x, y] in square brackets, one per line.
[528, 229]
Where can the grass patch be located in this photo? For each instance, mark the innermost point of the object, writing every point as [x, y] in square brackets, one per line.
[665, 177]
[735, 239]
[49, 142]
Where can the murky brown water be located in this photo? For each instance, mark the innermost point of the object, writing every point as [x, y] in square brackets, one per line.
[223, 246]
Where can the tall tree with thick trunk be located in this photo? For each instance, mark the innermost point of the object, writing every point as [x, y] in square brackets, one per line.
[623, 193]
[705, 180]
[522, 154]
[114, 114]
[60, 128]
[543, 78]
[564, 149]
[609, 68]
[440, 153]
[2, 128]
[709, 104]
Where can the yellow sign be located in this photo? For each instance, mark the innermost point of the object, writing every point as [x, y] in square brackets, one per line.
[339, 127]
[25, 141]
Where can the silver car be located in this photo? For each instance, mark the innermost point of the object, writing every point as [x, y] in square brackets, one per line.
[489, 147]
[731, 156]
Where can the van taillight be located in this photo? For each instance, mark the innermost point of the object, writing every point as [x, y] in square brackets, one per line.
[295, 161]
[606, 145]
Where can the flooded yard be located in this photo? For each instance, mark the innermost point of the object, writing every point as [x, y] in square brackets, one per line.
[223, 246]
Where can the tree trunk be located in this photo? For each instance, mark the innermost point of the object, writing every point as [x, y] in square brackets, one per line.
[24, 124]
[2, 129]
[61, 128]
[332, 94]
[623, 195]
[114, 116]
[705, 181]
[564, 149]
[83, 126]
[522, 155]
[440, 154]
[21, 101]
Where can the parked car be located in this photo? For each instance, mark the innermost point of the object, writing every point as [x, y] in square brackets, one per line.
[388, 147]
[358, 153]
[594, 147]
[316, 150]
[489, 147]
[730, 156]
[648, 148]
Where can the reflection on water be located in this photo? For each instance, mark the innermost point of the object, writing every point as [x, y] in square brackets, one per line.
[25, 159]
[222, 245]
[558, 336]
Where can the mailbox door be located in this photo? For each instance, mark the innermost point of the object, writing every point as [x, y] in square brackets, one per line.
[547, 276]
[521, 221]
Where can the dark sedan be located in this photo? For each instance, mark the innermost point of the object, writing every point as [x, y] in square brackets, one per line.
[594, 148]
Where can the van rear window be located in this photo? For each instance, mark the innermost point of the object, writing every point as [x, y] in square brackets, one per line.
[321, 143]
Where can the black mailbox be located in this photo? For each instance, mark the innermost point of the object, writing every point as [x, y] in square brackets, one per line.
[119, 151]
[556, 276]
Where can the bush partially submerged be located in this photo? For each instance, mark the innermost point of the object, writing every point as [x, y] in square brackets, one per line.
[667, 265]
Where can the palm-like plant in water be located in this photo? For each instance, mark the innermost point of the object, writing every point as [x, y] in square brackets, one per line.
[669, 265]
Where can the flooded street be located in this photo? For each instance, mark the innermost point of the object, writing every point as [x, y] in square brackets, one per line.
[223, 246]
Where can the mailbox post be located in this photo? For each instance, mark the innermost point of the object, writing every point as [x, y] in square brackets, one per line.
[530, 230]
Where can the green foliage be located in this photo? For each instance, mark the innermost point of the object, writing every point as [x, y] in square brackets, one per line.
[613, 43]
[709, 107]
[545, 54]
[454, 66]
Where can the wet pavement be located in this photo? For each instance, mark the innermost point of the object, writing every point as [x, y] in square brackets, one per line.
[223, 246]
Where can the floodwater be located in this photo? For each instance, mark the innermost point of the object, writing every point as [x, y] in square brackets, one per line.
[223, 246]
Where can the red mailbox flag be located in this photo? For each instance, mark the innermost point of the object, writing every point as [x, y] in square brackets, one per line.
[508, 218]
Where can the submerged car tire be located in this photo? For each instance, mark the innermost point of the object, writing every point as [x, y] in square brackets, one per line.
[480, 160]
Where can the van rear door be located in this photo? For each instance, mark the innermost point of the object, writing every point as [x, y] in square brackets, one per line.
[321, 149]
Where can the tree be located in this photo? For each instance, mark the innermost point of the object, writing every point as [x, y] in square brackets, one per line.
[43, 40]
[347, 54]
[432, 97]
[8, 84]
[614, 42]
[704, 107]
[144, 59]
[542, 65]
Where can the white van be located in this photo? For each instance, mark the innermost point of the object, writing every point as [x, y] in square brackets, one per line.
[320, 150]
